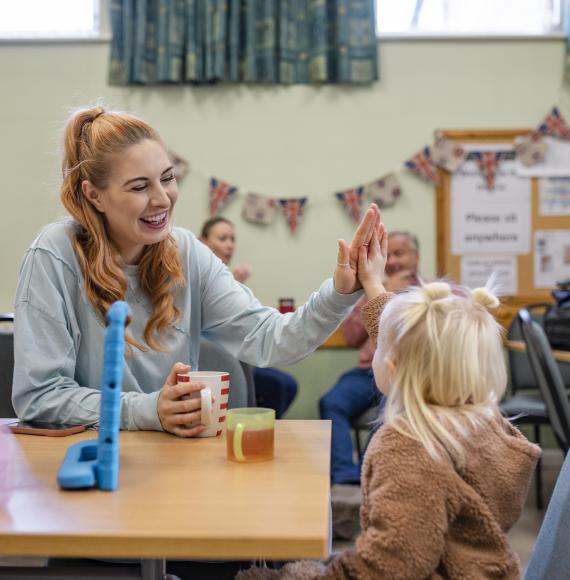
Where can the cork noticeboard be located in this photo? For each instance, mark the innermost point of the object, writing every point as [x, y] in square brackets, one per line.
[449, 263]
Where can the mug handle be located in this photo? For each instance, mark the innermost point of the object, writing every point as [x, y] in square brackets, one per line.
[238, 435]
[206, 407]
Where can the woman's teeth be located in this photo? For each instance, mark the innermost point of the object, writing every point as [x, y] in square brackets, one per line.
[155, 220]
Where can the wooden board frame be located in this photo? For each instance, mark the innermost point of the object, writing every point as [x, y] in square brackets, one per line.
[448, 265]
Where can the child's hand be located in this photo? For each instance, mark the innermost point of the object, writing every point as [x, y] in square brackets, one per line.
[371, 263]
[345, 276]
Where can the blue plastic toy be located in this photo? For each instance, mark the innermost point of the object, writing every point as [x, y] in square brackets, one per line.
[95, 463]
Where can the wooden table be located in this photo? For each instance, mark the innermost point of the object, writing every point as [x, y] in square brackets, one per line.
[520, 346]
[178, 498]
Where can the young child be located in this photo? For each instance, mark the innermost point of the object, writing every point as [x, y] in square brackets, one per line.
[446, 476]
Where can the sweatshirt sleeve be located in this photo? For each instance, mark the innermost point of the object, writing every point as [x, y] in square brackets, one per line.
[260, 335]
[46, 340]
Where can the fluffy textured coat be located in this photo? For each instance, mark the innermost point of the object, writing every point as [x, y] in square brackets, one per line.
[423, 518]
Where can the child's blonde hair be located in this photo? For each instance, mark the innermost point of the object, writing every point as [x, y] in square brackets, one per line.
[449, 364]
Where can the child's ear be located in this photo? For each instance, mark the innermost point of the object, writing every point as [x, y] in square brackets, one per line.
[92, 195]
[390, 365]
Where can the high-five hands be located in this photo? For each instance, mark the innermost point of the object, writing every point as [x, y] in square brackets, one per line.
[370, 232]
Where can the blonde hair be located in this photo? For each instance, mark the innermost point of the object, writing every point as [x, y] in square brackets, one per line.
[92, 137]
[449, 366]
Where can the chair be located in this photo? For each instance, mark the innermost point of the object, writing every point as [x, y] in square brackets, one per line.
[550, 558]
[363, 423]
[524, 408]
[548, 377]
[215, 358]
[6, 364]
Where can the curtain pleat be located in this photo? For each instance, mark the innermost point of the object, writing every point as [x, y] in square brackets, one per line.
[250, 41]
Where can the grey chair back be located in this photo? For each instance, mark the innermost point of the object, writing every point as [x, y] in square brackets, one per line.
[6, 364]
[548, 377]
[551, 557]
[522, 376]
[215, 358]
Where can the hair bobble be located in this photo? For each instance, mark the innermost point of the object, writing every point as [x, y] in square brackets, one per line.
[435, 291]
[484, 298]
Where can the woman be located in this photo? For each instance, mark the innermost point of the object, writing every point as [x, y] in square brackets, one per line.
[120, 243]
[273, 388]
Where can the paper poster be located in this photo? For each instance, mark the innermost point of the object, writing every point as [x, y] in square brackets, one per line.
[551, 257]
[476, 270]
[556, 161]
[490, 221]
[554, 196]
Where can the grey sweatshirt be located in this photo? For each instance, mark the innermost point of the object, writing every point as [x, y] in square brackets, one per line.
[58, 336]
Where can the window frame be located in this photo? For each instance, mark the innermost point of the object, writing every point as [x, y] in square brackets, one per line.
[409, 34]
[103, 34]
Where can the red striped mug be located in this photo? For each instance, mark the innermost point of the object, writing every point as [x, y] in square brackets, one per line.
[212, 415]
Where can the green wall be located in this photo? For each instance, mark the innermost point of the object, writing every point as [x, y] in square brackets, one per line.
[281, 141]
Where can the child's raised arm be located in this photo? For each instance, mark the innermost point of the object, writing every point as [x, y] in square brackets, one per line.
[372, 262]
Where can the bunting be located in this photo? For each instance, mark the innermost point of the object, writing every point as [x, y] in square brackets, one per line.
[447, 154]
[258, 209]
[293, 210]
[554, 125]
[180, 166]
[351, 201]
[444, 153]
[384, 192]
[488, 162]
[220, 193]
[531, 149]
[423, 166]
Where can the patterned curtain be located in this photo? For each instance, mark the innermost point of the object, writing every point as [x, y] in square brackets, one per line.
[248, 41]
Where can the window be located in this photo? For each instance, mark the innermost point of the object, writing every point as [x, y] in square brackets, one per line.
[469, 17]
[49, 19]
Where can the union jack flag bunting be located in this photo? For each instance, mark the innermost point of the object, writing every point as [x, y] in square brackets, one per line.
[293, 210]
[351, 200]
[423, 166]
[220, 193]
[488, 162]
[555, 125]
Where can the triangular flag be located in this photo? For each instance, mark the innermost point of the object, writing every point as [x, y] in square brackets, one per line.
[531, 149]
[423, 166]
[180, 166]
[554, 125]
[293, 210]
[385, 191]
[447, 154]
[258, 209]
[488, 162]
[220, 193]
[351, 200]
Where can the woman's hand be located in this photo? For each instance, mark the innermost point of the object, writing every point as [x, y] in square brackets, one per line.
[371, 263]
[176, 410]
[345, 276]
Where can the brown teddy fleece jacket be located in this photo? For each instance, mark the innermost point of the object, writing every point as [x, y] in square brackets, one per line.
[423, 518]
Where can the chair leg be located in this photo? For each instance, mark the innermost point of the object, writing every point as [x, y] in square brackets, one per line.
[539, 502]
[357, 442]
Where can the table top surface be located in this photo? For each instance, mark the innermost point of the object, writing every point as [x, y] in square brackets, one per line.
[519, 346]
[177, 498]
